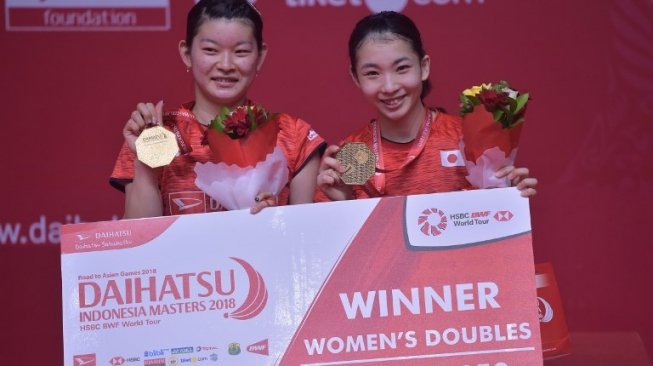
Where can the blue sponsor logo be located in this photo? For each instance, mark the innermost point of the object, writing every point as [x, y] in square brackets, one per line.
[154, 353]
[176, 351]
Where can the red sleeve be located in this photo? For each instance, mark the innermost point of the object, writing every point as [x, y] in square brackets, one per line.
[298, 141]
[123, 170]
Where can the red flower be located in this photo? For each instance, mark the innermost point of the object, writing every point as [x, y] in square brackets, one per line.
[236, 128]
[492, 100]
[241, 121]
[236, 125]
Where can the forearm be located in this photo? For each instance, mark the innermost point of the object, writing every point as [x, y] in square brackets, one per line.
[342, 194]
[302, 187]
[142, 196]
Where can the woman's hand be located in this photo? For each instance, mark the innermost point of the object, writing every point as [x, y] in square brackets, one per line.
[519, 178]
[142, 195]
[263, 200]
[328, 178]
[145, 115]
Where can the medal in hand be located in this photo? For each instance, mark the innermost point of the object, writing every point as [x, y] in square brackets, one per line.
[156, 147]
[359, 163]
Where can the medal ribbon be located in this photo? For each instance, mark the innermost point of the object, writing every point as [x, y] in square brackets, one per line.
[415, 149]
[183, 139]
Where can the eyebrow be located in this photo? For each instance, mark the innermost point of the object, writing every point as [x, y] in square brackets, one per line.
[395, 63]
[216, 43]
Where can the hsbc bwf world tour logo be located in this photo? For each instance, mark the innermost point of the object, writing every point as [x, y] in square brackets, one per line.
[433, 221]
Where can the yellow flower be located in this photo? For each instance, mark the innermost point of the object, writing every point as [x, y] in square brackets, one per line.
[474, 90]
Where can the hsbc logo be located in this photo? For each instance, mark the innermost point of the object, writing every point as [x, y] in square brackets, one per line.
[120, 361]
[376, 6]
[503, 216]
[117, 361]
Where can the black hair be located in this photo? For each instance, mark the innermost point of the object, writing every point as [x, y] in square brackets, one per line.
[223, 9]
[387, 22]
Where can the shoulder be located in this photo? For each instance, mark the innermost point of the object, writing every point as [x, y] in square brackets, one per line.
[447, 124]
[291, 126]
[286, 120]
[363, 134]
[297, 140]
[448, 119]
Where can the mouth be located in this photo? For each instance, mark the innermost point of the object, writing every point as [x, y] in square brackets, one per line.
[393, 103]
[224, 81]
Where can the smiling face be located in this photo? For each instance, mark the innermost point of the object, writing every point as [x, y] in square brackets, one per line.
[390, 75]
[224, 59]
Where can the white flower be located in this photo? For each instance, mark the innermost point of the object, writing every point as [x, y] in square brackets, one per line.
[511, 93]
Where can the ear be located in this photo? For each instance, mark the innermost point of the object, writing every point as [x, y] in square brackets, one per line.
[261, 57]
[184, 52]
[354, 78]
[426, 67]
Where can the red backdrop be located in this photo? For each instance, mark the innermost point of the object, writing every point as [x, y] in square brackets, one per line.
[588, 64]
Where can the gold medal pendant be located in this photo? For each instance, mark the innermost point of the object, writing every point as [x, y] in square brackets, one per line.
[359, 162]
[156, 147]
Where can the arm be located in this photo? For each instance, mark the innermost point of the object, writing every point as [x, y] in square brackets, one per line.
[142, 196]
[302, 186]
[329, 180]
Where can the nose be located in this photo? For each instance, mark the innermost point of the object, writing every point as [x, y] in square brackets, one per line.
[225, 62]
[389, 85]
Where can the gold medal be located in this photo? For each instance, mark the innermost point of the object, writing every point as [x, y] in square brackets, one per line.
[156, 147]
[359, 162]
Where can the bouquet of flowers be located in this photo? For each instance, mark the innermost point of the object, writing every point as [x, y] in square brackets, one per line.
[493, 116]
[246, 160]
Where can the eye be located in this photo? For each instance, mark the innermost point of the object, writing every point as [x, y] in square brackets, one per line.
[403, 68]
[243, 51]
[209, 50]
[370, 73]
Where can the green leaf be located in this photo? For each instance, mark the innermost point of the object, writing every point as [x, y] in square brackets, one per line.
[498, 114]
[251, 118]
[512, 104]
[521, 102]
[218, 122]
